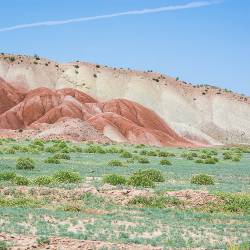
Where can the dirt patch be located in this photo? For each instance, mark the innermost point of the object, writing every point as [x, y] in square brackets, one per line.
[30, 242]
[57, 195]
[194, 198]
[121, 196]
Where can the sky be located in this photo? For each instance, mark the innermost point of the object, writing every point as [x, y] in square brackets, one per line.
[207, 42]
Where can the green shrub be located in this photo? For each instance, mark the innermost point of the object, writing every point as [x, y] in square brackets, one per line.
[184, 155]
[52, 160]
[171, 155]
[143, 152]
[138, 180]
[200, 161]
[145, 178]
[52, 149]
[163, 154]
[152, 174]
[25, 163]
[114, 179]
[210, 161]
[16, 147]
[238, 202]
[143, 160]
[92, 200]
[67, 150]
[113, 150]
[130, 161]
[115, 163]
[202, 179]
[43, 240]
[21, 181]
[72, 208]
[10, 151]
[67, 177]
[43, 180]
[62, 156]
[241, 246]
[203, 156]
[152, 153]
[7, 176]
[19, 202]
[77, 149]
[3, 245]
[236, 158]
[193, 154]
[38, 142]
[165, 162]
[155, 201]
[227, 156]
[25, 149]
[95, 150]
[126, 154]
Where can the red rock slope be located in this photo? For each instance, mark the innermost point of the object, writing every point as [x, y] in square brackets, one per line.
[54, 112]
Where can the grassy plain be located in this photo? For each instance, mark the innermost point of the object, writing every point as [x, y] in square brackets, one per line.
[66, 196]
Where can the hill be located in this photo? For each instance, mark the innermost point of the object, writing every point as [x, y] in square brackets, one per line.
[200, 113]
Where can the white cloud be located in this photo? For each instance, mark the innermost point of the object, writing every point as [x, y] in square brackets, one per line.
[191, 5]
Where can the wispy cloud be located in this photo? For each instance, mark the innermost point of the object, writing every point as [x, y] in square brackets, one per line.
[191, 5]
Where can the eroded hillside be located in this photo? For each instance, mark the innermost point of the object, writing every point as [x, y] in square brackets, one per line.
[204, 114]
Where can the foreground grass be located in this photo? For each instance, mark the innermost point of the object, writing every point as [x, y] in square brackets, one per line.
[156, 220]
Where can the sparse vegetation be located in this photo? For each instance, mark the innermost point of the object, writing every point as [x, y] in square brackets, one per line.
[141, 199]
[52, 160]
[126, 154]
[12, 58]
[165, 162]
[143, 160]
[155, 201]
[62, 156]
[65, 176]
[7, 176]
[114, 179]
[115, 163]
[145, 178]
[42, 240]
[72, 207]
[25, 163]
[202, 179]
[3, 245]
[21, 181]
[43, 180]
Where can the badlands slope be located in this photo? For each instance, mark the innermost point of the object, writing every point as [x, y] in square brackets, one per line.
[73, 115]
[185, 113]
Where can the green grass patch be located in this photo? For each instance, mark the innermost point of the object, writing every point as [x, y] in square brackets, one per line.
[155, 201]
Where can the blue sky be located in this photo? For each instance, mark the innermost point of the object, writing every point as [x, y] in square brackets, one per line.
[202, 45]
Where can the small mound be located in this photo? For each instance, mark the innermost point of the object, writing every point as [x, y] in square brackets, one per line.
[72, 130]
[194, 198]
